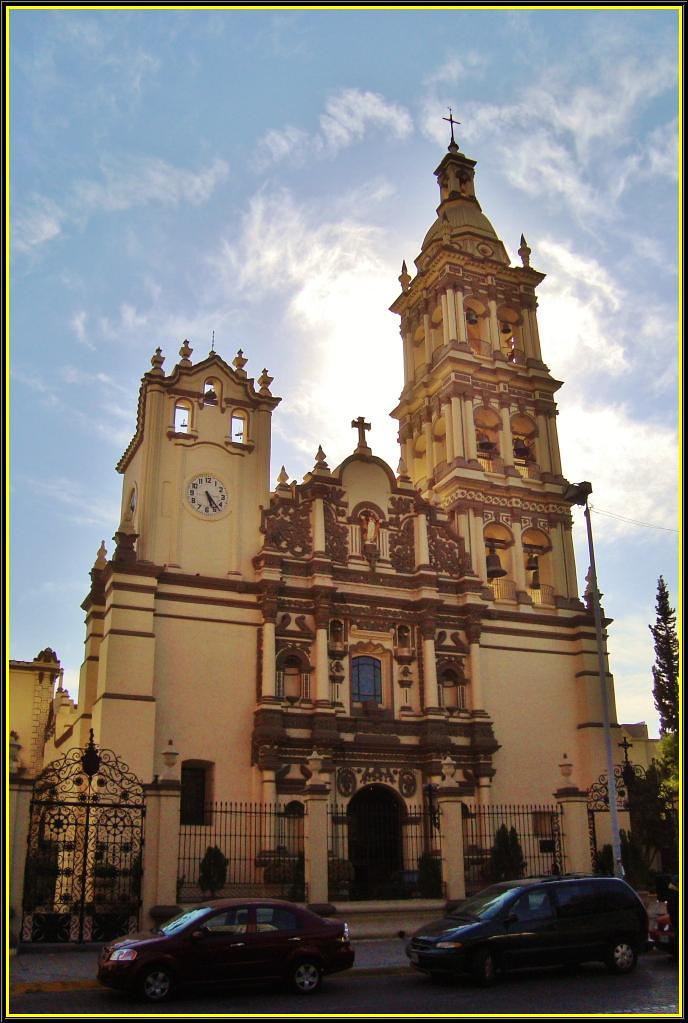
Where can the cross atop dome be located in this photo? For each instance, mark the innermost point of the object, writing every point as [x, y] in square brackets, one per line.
[452, 147]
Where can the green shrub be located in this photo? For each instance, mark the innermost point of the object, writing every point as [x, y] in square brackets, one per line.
[429, 876]
[213, 870]
[506, 861]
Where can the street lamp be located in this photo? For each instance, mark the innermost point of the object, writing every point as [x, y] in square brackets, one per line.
[578, 493]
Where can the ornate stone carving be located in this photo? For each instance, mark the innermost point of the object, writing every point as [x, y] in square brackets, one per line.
[447, 553]
[287, 528]
[398, 508]
[346, 781]
[402, 548]
[407, 783]
[336, 537]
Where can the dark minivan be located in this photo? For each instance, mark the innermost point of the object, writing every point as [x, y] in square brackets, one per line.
[535, 922]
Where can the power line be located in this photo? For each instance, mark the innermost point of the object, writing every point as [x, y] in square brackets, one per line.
[633, 522]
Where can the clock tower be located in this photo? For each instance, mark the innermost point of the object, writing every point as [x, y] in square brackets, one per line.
[165, 619]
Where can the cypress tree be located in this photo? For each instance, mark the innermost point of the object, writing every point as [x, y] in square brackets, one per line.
[665, 668]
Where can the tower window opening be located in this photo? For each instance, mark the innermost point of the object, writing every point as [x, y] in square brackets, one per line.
[182, 417]
[238, 430]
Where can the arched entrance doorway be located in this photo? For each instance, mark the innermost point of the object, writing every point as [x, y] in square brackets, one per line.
[375, 843]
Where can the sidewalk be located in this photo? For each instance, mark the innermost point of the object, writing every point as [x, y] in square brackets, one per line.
[70, 967]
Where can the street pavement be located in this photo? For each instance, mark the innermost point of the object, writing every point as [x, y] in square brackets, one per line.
[70, 967]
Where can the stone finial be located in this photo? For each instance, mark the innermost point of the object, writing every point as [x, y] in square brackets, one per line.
[524, 252]
[264, 380]
[321, 467]
[404, 277]
[239, 362]
[185, 352]
[283, 480]
[101, 557]
[157, 360]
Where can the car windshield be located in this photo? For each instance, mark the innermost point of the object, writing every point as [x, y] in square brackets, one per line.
[485, 904]
[178, 923]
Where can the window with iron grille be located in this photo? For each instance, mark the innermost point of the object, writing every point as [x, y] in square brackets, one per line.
[193, 794]
[366, 680]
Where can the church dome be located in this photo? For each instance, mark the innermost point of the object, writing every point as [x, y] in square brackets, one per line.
[463, 217]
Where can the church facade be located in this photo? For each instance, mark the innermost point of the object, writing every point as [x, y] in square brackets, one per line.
[390, 620]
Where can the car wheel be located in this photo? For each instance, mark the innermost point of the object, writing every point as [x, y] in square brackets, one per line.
[622, 957]
[483, 968]
[156, 984]
[305, 976]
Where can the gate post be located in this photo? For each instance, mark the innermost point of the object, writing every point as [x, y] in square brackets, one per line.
[575, 831]
[315, 830]
[161, 848]
[451, 832]
[19, 816]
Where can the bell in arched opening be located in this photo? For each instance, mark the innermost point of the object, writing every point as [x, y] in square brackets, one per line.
[494, 565]
[532, 563]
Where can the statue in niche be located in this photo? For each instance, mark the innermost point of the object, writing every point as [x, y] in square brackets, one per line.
[369, 528]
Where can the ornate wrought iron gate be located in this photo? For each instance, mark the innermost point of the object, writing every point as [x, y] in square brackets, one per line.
[83, 868]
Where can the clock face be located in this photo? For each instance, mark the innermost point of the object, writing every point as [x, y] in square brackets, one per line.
[206, 495]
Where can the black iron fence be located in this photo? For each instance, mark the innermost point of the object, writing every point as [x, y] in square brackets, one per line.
[504, 843]
[243, 850]
[383, 850]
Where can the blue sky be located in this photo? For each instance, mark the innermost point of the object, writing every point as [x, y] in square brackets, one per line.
[262, 174]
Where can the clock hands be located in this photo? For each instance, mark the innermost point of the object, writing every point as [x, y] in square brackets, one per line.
[211, 502]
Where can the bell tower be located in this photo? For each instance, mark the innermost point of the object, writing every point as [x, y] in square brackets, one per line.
[477, 416]
[198, 467]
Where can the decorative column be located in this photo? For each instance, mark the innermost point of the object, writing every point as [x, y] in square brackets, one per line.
[449, 431]
[494, 326]
[542, 443]
[318, 526]
[526, 332]
[534, 332]
[408, 357]
[268, 673]
[322, 672]
[451, 831]
[469, 430]
[507, 440]
[429, 459]
[427, 335]
[410, 454]
[518, 559]
[451, 314]
[461, 320]
[19, 803]
[459, 448]
[445, 318]
[554, 444]
[473, 630]
[316, 796]
[422, 546]
[475, 521]
[427, 628]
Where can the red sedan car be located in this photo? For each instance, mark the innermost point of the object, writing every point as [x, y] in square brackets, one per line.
[229, 941]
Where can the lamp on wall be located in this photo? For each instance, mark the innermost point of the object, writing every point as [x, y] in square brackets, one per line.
[578, 493]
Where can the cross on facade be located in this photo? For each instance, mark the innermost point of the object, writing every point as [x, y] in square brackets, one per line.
[625, 746]
[361, 425]
[452, 122]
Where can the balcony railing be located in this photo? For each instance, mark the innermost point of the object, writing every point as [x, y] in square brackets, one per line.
[528, 471]
[545, 595]
[503, 589]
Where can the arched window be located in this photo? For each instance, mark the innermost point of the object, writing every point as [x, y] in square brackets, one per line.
[292, 821]
[403, 636]
[211, 391]
[366, 680]
[451, 689]
[238, 428]
[182, 417]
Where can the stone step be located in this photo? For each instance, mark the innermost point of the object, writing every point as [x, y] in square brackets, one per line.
[384, 919]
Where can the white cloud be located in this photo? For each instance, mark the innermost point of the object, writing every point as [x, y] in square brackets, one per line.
[136, 182]
[632, 464]
[348, 116]
[81, 504]
[335, 286]
[631, 655]
[126, 183]
[38, 222]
